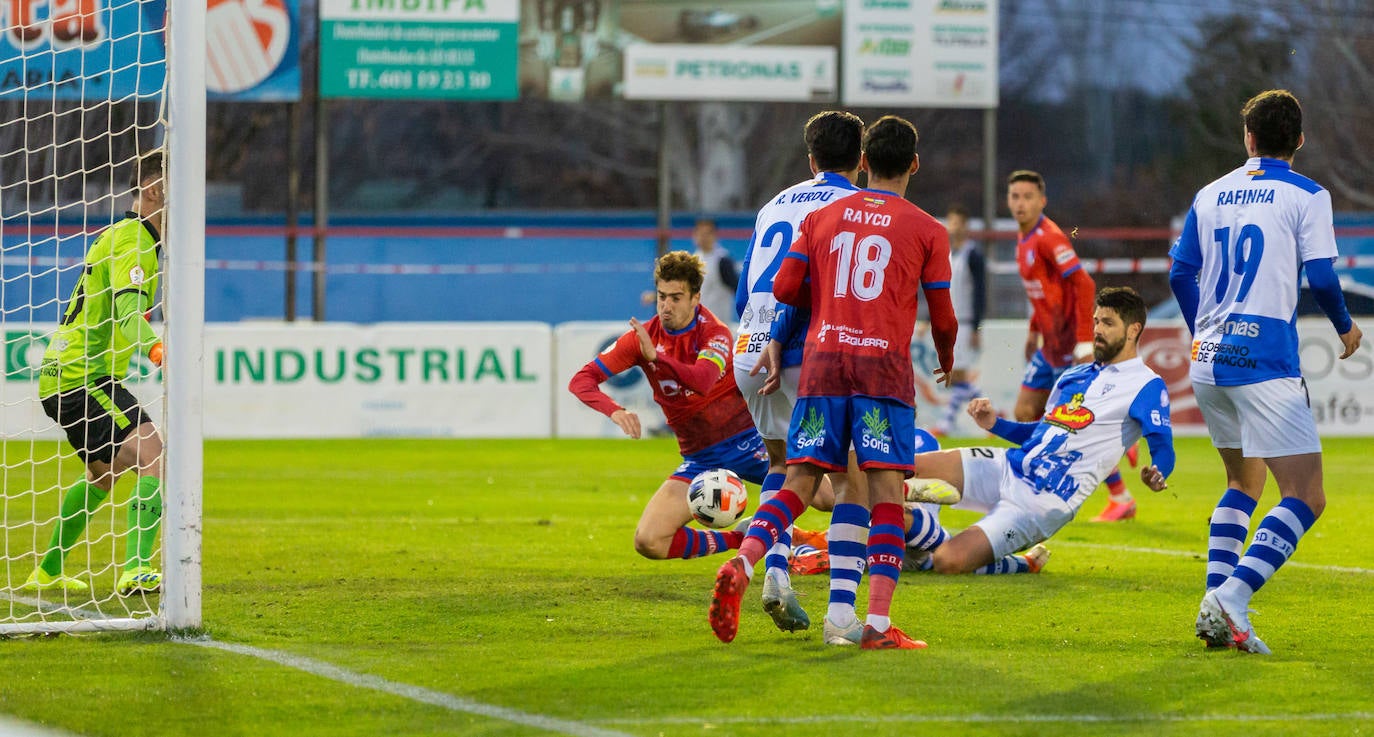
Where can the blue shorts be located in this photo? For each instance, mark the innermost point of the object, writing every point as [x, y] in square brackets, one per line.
[882, 431]
[1040, 375]
[744, 454]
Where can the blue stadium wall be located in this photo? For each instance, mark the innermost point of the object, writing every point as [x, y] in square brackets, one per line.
[544, 268]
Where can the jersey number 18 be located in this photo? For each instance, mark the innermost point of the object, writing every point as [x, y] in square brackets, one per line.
[860, 265]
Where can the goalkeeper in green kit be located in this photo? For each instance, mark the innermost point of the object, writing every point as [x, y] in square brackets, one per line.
[79, 384]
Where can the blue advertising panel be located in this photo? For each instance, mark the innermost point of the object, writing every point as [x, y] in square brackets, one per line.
[81, 49]
[114, 49]
[253, 50]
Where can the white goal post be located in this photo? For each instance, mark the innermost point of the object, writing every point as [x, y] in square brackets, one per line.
[86, 86]
[186, 321]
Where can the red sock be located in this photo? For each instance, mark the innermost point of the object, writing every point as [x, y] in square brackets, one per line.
[884, 557]
[1117, 486]
[690, 543]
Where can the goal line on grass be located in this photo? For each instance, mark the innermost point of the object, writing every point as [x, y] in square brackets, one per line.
[406, 690]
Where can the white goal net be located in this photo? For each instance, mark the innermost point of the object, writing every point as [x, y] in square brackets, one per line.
[86, 91]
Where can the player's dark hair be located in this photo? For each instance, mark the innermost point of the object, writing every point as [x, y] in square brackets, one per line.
[833, 139]
[890, 145]
[681, 266]
[1126, 302]
[1026, 175]
[957, 209]
[148, 166]
[1275, 119]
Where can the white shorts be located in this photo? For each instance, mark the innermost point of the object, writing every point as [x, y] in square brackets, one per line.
[1017, 517]
[965, 355]
[772, 413]
[1271, 419]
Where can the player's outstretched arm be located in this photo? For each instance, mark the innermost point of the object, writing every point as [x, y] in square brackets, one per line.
[586, 383]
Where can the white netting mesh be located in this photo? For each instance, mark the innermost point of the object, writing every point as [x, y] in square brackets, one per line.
[81, 89]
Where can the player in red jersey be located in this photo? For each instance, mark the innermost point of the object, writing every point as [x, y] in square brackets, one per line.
[685, 352]
[858, 264]
[1062, 297]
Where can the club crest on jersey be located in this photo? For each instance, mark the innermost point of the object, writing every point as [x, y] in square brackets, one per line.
[1071, 415]
[136, 276]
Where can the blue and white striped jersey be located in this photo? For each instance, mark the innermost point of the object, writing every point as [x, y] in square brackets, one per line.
[1248, 235]
[775, 228]
[1093, 415]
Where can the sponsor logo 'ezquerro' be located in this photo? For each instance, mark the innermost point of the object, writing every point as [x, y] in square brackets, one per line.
[372, 365]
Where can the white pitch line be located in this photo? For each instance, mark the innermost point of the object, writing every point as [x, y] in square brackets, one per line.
[1000, 719]
[406, 690]
[1202, 553]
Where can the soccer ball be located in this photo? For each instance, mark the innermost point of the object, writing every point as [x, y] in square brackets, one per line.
[717, 498]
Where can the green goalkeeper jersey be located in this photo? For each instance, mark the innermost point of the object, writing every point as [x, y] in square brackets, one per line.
[104, 322]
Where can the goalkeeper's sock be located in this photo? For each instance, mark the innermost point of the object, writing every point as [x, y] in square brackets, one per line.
[145, 515]
[81, 499]
[1226, 533]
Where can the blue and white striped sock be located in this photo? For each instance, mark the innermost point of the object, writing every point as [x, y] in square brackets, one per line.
[1008, 564]
[775, 562]
[1226, 534]
[848, 549]
[1275, 540]
[925, 532]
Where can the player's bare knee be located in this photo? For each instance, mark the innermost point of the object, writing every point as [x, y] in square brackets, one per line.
[651, 546]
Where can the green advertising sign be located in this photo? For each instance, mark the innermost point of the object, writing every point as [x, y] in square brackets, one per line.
[419, 49]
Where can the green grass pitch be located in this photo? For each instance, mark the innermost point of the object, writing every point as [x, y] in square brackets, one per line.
[471, 577]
